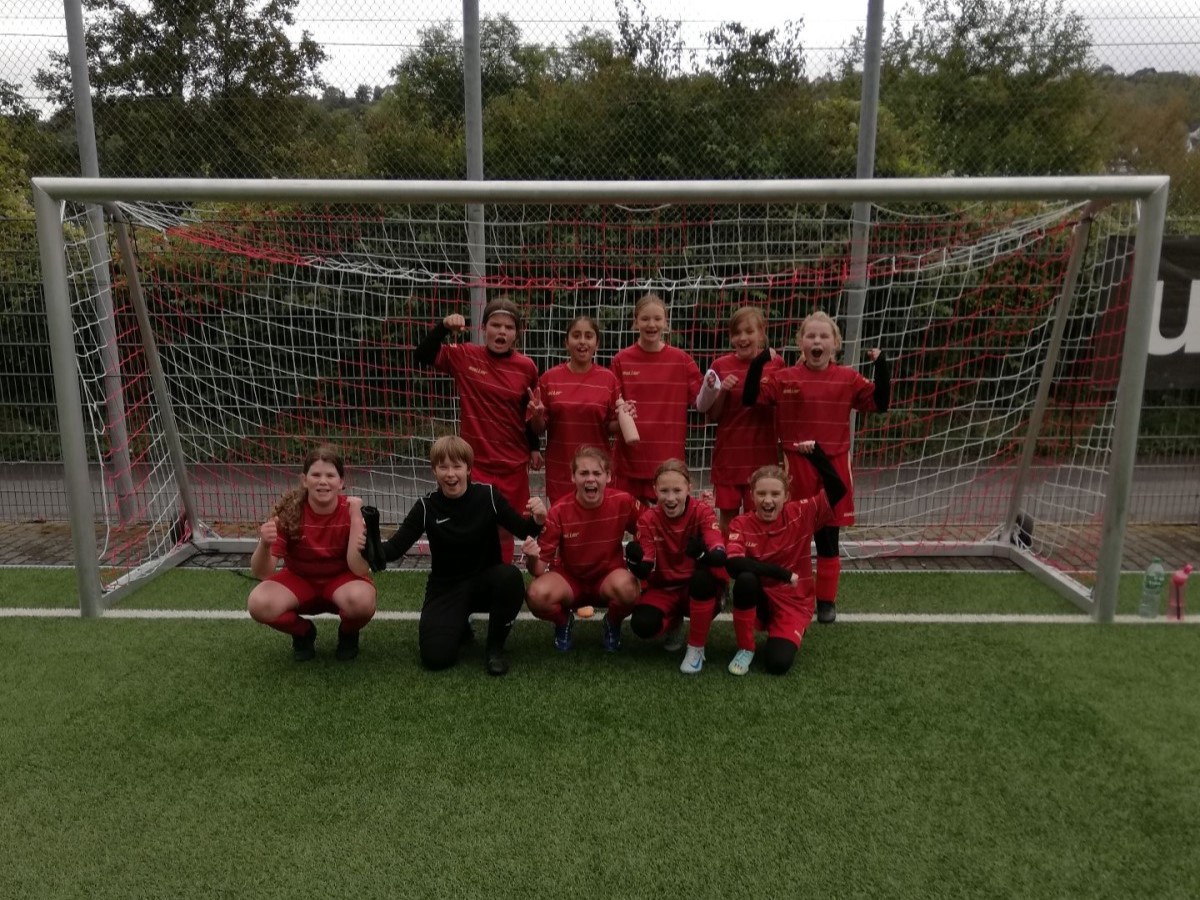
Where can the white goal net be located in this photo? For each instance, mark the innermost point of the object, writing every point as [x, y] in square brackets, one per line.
[284, 323]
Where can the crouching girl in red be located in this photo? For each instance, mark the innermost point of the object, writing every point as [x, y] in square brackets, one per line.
[679, 551]
[769, 560]
[318, 534]
[576, 561]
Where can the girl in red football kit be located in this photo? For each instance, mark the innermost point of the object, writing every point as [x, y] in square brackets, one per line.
[769, 557]
[494, 384]
[813, 401]
[658, 382]
[577, 559]
[575, 404]
[319, 534]
[746, 439]
[678, 552]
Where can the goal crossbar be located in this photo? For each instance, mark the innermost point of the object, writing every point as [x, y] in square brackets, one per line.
[1068, 187]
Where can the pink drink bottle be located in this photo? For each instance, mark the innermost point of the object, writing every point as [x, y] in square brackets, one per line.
[1177, 602]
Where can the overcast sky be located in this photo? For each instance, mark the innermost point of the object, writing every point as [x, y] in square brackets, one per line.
[365, 38]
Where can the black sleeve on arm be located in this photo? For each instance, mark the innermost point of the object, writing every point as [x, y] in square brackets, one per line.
[883, 383]
[835, 488]
[713, 557]
[532, 438]
[754, 378]
[406, 535]
[736, 565]
[511, 520]
[426, 352]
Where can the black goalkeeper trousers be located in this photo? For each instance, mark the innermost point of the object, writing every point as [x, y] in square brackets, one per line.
[498, 591]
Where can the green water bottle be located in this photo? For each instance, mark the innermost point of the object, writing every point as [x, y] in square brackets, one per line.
[1152, 588]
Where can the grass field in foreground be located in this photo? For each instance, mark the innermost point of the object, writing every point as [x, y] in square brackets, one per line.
[896, 592]
[194, 759]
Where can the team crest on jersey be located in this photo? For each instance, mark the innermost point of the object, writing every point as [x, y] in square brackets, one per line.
[734, 536]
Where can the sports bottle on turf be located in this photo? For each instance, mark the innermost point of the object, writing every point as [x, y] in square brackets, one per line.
[1152, 585]
[1177, 604]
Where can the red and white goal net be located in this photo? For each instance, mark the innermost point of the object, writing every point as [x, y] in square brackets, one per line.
[281, 325]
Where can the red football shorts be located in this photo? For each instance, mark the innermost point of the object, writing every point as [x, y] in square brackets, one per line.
[790, 612]
[511, 484]
[315, 596]
[733, 496]
[671, 601]
[585, 592]
[807, 483]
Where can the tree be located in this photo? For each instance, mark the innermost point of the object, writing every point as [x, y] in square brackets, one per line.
[651, 45]
[403, 142]
[14, 176]
[756, 59]
[433, 72]
[1150, 115]
[13, 105]
[190, 50]
[585, 54]
[1001, 87]
[222, 69]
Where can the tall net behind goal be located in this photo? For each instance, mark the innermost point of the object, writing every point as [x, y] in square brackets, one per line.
[285, 324]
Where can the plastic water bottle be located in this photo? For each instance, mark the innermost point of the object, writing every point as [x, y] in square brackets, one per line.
[1152, 585]
[1177, 603]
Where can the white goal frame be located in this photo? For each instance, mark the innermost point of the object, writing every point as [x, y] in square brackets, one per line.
[1148, 192]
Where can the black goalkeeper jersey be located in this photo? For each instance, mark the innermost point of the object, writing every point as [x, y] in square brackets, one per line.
[463, 540]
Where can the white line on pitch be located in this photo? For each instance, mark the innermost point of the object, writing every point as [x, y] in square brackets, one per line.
[879, 570]
[413, 616]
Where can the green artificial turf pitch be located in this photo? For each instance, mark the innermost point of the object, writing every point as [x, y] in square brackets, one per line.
[172, 758]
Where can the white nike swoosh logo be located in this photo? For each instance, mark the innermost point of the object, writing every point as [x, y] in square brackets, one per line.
[440, 521]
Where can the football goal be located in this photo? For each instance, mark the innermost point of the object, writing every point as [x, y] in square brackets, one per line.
[205, 333]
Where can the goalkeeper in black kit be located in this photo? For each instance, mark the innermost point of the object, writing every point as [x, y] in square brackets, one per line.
[467, 573]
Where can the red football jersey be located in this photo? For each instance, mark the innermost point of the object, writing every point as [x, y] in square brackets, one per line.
[493, 392]
[786, 542]
[587, 543]
[320, 552]
[578, 410]
[663, 385]
[815, 405]
[664, 540]
[746, 438]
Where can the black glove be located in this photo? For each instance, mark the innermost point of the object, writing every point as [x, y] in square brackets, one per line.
[695, 546]
[373, 552]
[635, 559]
